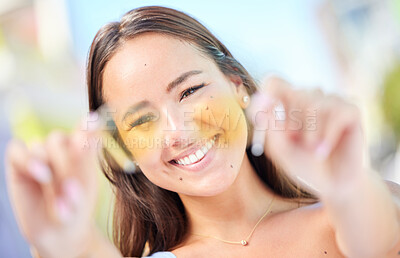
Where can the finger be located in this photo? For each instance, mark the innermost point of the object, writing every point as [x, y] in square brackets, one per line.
[84, 147]
[276, 140]
[23, 183]
[65, 196]
[57, 147]
[341, 120]
[296, 114]
[256, 112]
[24, 165]
[277, 89]
[62, 165]
[39, 153]
[287, 154]
[87, 142]
[286, 98]
[276, 86]
[316, 116]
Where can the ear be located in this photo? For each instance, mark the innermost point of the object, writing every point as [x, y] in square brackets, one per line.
[239, 90]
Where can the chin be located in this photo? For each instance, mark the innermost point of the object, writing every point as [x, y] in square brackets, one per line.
[214, 185]
[220, 178]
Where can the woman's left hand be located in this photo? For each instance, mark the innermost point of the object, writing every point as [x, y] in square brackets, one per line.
[317, 139]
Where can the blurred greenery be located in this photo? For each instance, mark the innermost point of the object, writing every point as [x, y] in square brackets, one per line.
[391, 99]
[396, 8]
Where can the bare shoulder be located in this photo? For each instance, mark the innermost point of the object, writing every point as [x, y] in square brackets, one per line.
[316, 213]
[309, 230]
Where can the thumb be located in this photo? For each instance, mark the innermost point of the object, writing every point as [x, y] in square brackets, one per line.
[266, 114]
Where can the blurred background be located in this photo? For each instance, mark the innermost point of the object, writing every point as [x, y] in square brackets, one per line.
[346, 47]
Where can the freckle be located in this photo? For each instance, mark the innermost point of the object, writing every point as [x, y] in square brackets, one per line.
[207, 108]
[211, 97]
[145, 64]
[231, 166]
[180, 178]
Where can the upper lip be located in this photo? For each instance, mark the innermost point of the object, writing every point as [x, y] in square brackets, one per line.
[190, 150]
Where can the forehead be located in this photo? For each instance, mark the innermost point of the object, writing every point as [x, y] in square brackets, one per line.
[147, 63]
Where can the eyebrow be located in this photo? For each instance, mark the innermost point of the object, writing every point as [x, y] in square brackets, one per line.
[181, 79]
[142, 104]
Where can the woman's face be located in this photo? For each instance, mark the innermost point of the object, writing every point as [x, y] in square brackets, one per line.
[177, 113]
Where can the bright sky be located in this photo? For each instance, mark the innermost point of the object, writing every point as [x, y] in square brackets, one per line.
[265, 36]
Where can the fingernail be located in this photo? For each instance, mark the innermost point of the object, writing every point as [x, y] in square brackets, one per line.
[73, 190]
[39, 171]
[259, 107]
[260, 120]
[63, 211]
[280, 112]
[322, 151]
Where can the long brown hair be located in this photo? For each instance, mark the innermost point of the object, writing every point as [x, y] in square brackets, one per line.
[145, 213]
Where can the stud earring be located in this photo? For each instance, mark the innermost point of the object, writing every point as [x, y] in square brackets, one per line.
[246, 99]
[130, 166]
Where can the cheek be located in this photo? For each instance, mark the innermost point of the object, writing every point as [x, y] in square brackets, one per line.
[152, 167]
[223, 115]
[142, 141]
[146, 147]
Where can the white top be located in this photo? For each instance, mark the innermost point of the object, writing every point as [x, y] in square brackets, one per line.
[162, 255]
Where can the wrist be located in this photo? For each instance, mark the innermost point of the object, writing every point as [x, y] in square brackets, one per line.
[99, 246]
[343, 190]
[93, 241]
[76, 247]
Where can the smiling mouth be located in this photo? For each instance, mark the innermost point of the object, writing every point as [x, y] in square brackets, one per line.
[196, 155]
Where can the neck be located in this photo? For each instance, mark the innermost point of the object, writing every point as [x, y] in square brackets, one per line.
[232, 213]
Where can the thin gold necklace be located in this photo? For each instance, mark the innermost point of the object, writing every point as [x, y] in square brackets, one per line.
[245, 241]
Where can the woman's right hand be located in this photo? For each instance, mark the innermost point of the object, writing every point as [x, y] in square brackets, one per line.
[53, 189]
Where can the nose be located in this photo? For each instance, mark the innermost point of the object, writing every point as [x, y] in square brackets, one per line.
[177, 127]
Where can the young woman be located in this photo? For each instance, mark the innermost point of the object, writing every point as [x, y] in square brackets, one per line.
[201, 189]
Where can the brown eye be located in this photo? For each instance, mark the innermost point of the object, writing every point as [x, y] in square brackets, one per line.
[190, 91]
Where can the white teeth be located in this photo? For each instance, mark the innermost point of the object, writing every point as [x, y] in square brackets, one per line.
[193, 158]
[186, 161]
[200, 153]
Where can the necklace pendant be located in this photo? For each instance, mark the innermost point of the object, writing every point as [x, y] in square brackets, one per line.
[243, 242]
